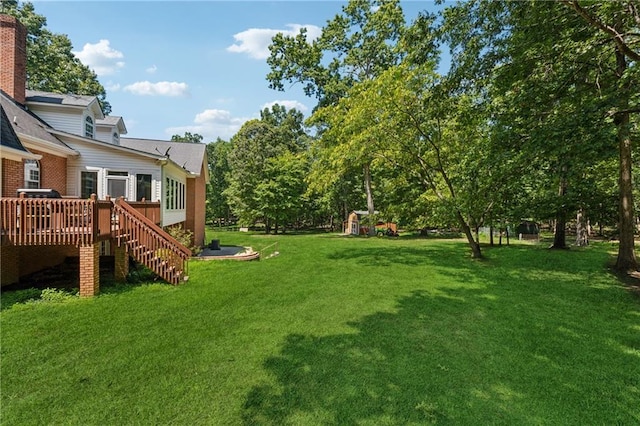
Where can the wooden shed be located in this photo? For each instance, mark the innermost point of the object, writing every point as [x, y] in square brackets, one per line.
[353, 226]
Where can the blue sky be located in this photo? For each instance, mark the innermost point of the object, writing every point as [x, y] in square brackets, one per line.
[171, 67]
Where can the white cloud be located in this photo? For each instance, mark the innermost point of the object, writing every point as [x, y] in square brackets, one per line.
[212, 124]
[287, 104]
[101, 57]
[112, 87]
[152, 69]
[161, 88]
[255, 41]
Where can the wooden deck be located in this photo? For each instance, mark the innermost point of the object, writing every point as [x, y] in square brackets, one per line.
[53, 221]
[132, 227]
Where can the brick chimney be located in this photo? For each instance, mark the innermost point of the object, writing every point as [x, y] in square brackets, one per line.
[13, 57]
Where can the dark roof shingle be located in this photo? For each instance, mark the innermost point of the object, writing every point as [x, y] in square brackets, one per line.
[8, 137]
[27, 123]
[189, 155]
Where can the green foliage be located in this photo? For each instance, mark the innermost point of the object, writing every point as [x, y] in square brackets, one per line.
[188, 137]
[267, 166]
[55, 295]
[355, 45]
[10, 298]
[553, 81]
[219, 172]
[184, 237]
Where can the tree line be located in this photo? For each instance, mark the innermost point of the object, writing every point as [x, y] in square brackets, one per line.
[534, 118]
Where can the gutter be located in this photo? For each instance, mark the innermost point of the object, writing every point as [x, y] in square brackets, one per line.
[18, 154]
[49, 147]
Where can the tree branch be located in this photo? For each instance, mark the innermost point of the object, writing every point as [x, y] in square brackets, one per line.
[597, 23]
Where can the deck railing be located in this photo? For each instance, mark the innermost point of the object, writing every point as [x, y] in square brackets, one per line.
[54, 221]
[57, 221]
[150, 210]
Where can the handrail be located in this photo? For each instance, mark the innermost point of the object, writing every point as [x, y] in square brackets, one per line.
[149, 244]
[125, 205]
[80, 222]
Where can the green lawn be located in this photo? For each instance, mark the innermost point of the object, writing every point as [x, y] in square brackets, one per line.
[337, 331]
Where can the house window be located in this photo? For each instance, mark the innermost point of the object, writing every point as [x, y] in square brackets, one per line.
[168, 194]
[31, 174]
[143, 187]
[88, 184]
[117, 184]
[88, 127]
[175, 194]
[115, 138]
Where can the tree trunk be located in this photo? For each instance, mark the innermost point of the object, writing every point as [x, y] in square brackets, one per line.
[560, 234]
[475, 245]
[476, 230]
[491, 235]
[369, 192]
[582, 229]
[626, 251]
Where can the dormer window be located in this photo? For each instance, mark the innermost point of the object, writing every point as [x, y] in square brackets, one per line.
[115, 138]
[31, 174]
[88, 127]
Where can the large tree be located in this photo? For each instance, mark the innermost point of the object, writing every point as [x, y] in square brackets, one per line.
[617, 35]
[557, 92]
[266, 168]
[217, 204]
[421, 136]
[51, 64]
[355, 46]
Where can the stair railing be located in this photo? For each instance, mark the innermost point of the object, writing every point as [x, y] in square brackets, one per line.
[149, 244]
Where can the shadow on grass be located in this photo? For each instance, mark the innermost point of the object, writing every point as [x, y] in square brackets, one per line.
[26, 292]
[508, 353]
[446, 255]
[456, 255]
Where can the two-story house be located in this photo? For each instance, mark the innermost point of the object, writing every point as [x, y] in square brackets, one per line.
[63, 142]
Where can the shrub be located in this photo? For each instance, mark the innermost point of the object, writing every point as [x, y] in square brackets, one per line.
[10, 298]
[184, 237]
[55, 295]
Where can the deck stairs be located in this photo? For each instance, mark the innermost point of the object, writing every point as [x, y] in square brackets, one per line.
[149, 244]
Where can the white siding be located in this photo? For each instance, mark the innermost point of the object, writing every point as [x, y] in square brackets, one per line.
[69, 120]
[102, 159]
[105, 134]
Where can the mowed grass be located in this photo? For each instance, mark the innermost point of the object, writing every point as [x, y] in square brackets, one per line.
[338, 331]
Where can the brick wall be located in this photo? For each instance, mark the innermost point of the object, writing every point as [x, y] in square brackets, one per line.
[196, 208]
[121, 264]
[89, 270]
[12, 177]
[53, 172]
[13, 57]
